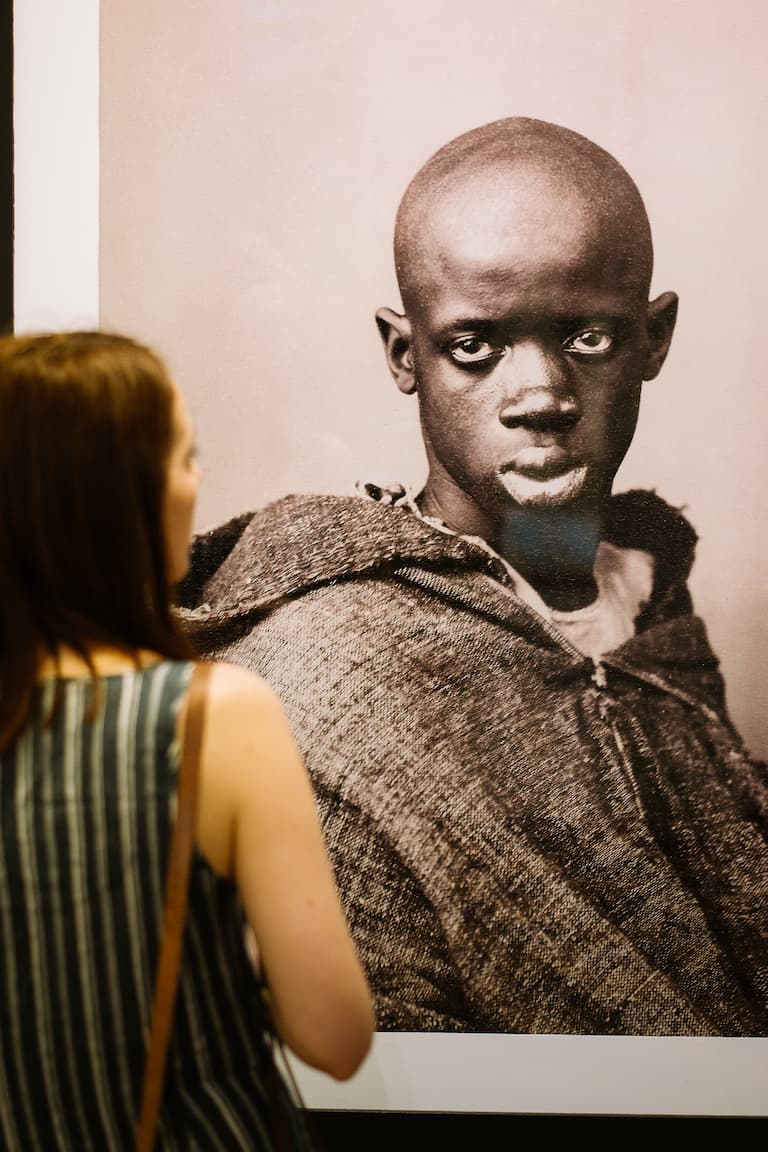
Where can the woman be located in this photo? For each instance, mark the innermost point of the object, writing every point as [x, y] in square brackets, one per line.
[98, 481]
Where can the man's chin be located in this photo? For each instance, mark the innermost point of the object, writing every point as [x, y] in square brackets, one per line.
[559, 491]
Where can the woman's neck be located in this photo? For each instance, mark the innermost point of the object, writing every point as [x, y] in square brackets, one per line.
[106, 659]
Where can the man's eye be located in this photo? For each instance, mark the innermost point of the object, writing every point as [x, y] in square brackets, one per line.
[473, 350]
[590, 342]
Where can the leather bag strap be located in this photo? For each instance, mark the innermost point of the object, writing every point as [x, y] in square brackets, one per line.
[176, 892]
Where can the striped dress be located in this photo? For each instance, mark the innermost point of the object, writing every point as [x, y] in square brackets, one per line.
[87, 807]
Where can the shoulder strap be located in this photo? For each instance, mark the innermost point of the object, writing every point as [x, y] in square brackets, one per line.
[176, 891]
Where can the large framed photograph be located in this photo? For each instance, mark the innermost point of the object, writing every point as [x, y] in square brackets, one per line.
[223, 181]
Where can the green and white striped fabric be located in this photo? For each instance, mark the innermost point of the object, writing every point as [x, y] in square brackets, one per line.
[87, 799]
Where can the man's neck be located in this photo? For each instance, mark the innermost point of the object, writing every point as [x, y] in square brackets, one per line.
[553, 549]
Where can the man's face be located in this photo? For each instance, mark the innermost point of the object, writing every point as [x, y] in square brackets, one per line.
[529, 340]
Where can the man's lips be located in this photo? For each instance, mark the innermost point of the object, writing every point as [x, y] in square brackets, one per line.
[541, 463]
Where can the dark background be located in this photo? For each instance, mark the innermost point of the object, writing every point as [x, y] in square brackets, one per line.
[380, 1131]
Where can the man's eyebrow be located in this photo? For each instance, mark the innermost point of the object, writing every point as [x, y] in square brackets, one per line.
[469, 324]
[619, 321]
[496, 325]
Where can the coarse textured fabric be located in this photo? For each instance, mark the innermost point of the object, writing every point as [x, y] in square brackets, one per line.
[88, 794]
[524, 841]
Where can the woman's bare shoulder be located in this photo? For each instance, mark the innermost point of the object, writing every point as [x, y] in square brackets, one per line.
[233, 685]
[246, 718]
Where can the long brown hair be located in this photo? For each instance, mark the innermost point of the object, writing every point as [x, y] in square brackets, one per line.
[86, 427]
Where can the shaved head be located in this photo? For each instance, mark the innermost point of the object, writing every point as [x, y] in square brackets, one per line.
[524, 262]
[519, 176]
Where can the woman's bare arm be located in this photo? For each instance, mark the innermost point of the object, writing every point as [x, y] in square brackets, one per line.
[258, 824]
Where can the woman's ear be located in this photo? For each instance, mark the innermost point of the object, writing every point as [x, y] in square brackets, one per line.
[395, 332]
[660, 324]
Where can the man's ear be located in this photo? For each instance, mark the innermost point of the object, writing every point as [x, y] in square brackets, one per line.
[660, 324]
[395, 332]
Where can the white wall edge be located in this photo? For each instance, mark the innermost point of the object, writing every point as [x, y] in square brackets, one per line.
[569, 1075]
[56, 167]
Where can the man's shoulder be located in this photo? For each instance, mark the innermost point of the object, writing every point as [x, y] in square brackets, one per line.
[261, 536]
[264, 558]
[301, 542]
[640, 518]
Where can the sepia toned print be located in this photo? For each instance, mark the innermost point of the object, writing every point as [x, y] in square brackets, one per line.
[541, 816]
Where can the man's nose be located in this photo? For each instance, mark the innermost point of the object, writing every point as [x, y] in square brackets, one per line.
[537, 389]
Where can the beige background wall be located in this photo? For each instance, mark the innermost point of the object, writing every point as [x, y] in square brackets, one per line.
[252, 157]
